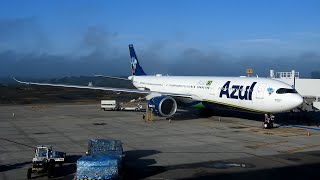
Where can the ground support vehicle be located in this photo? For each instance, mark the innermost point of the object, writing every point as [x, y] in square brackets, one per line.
[126, 107]
[109, 105]
[44, 161]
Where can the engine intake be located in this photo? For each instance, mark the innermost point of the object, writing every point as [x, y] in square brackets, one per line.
[163, 105]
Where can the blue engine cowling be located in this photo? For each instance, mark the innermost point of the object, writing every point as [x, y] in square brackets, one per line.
[163, 105]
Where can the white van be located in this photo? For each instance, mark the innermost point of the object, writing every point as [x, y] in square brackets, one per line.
[109, 105]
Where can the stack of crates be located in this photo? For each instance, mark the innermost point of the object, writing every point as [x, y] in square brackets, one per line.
[103, 160]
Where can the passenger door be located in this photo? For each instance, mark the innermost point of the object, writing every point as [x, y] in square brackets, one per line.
[261, 90]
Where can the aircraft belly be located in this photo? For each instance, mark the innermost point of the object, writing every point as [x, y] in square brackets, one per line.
[227, 103]
[218, 105]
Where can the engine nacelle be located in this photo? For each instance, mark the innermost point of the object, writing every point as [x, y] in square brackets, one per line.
[163, 105]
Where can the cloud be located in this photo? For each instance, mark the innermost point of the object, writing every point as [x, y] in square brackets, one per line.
[25, 52]
[262, 40]
[196, 62]
[307, 34]
[190, 62]
[23, 34]
[98, 38]
[263, 46]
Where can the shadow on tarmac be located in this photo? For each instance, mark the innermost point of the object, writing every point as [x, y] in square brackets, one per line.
[235, 169]
[67, 170]
[9, 167]
[306, 171]
[294, 118]
[138, 168]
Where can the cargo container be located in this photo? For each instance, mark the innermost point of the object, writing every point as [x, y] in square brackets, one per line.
[103, 160]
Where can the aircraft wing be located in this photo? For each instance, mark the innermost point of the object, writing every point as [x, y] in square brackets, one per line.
[108, 89]
[112, 77]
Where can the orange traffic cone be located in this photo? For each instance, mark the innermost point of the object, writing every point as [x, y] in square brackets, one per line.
[308, 133]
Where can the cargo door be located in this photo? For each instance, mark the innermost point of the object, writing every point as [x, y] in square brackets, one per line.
[261, 90]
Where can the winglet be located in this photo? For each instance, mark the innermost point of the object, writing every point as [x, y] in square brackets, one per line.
[20, 81]
[16, 79]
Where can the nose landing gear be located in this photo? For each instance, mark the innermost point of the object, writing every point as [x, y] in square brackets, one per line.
[268, 121]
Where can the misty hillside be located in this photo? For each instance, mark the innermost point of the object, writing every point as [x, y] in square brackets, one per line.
[15, 93]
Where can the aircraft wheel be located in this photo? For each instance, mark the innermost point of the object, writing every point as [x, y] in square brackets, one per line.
[50, 171]
[29, 173]
[271, 124]
[51, 168]
[268, 125]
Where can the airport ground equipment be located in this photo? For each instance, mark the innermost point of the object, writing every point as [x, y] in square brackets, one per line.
[130, 106]
[148, 116]
[103, 160]
[316, 103]
[44, 160]
[109, 105]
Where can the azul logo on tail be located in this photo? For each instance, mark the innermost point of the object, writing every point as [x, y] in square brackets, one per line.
[135, 66]
[133, 63]
[237, 91]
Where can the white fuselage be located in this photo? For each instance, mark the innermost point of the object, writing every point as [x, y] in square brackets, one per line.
[248, 93]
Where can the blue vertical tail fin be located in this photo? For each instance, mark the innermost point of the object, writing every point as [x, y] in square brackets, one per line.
[135, 66]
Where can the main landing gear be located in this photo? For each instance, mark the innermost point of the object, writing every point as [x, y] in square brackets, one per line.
[268, 121]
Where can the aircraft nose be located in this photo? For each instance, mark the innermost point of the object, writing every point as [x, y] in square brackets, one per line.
[296, 100]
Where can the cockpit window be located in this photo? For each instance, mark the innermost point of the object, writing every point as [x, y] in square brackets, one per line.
[284, 91]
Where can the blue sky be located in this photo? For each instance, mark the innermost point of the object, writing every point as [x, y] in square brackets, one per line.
[231, 28]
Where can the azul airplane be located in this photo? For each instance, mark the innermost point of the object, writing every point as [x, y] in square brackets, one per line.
[166, 93]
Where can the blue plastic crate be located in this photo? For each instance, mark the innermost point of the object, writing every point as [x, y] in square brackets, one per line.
[97, 167]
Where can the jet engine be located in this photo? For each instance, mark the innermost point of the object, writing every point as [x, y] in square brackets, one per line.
[163, 105]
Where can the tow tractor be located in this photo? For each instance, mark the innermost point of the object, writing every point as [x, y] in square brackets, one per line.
[44, 161]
